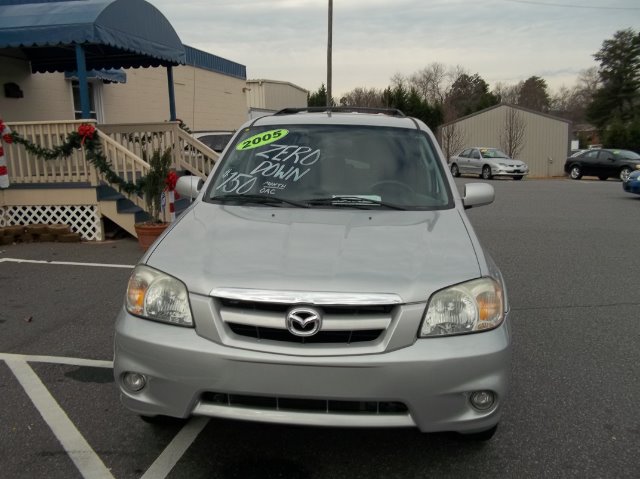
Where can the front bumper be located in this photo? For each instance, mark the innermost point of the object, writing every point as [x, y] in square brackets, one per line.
[433, 377]
[508, 172]
[631, 186]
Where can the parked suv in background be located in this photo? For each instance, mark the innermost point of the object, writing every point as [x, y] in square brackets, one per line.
[326, 274]
[603, 163]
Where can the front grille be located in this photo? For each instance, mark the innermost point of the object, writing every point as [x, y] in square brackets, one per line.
[274, 334]
[305, 405]
[328, 310]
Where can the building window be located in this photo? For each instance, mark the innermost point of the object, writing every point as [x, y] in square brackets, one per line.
[76, 100]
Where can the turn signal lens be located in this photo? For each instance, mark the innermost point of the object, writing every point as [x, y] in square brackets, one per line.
[465, 308]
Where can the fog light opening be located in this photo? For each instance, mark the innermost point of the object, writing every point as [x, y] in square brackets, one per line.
[483, 400]
[134, 382]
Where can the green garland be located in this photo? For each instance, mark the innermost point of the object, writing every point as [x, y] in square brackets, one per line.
[93, 151]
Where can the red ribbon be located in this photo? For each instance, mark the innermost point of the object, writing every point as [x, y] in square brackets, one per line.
[7, 138]
[171, 180]
[86, 131]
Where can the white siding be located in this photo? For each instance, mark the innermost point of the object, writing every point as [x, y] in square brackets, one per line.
[275, 95]
[546, 139]
[205, 100]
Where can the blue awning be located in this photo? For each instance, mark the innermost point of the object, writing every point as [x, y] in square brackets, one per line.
[113, 33]
[108, 76]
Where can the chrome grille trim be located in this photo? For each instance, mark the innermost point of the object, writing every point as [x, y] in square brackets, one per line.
[269, 319]
[318, 298]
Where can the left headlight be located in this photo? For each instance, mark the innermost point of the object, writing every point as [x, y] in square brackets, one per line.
[155, 295]
[470, 307]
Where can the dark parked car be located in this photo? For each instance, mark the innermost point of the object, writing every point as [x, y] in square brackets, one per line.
[603, 163]
[216, 140]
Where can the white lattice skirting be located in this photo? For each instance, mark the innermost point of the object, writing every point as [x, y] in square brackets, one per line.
[82, 219]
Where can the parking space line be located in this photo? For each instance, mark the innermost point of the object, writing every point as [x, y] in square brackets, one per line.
[76, 446]
[92, 363]
[66, 263]
[162, 466]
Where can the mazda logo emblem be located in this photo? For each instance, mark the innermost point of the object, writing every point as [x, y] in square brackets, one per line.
[303, 322]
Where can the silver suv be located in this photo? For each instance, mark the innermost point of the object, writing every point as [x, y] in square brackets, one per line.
[325, 274]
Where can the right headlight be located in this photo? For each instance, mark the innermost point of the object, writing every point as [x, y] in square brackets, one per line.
[155, 295]
[469, 307]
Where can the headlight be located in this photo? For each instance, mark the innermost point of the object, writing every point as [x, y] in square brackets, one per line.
[158, 296]
[465, 308]
[503, 164]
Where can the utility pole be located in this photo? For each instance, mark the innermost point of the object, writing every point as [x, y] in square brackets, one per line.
[329, 52]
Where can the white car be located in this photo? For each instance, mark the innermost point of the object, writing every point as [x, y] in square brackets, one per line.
[487, 163]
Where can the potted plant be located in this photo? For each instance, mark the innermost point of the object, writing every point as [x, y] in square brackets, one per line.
[153, 184]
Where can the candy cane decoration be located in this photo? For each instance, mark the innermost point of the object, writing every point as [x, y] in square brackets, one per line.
[172, 179]
[4, 172]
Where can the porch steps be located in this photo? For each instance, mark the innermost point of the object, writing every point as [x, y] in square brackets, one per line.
[124, 212]
[120, 209]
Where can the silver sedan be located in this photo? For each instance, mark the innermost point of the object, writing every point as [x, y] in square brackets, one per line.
[487, 163]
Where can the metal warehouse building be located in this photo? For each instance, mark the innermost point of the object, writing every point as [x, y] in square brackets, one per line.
[546, 138]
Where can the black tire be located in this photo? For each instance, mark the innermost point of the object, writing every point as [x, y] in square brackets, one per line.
[603, 178]
[575, 172]
[518, 177]
[480, 436]
[486, 173]
[455, 171]
[624, 173]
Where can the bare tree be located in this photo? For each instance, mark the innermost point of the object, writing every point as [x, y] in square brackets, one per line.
[512, 136]
[452, 137]
[365, 97]
[507, 93]
[431, 82]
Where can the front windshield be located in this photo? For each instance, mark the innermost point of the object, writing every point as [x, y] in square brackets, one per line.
[627, 155]
[493, 153]
[332, 166]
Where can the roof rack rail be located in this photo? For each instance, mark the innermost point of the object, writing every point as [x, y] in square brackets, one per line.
[341, 109]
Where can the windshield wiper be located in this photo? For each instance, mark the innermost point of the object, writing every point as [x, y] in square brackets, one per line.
[259, 199]
[352, 202]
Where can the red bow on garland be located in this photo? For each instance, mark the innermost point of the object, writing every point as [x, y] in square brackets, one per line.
[86, 131]
[171, 180]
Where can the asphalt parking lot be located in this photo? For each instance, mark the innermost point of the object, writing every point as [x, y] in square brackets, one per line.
[569, 253]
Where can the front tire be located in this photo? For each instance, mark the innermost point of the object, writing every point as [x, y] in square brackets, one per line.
[575, 172]
[517, 177]
[455, 171]
[486, 173]
[624, 173]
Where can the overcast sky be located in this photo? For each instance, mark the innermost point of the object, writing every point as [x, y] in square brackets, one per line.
[502, 40]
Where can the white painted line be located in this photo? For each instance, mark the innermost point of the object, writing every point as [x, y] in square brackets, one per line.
[78, 449]
[66, 263]
[92, 363]
[162, 466]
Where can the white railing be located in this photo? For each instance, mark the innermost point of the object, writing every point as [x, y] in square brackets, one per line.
[142, 139]
[125, 146]
[25, 167]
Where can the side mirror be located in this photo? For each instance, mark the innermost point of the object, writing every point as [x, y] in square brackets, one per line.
[477, 194]
[189, 186]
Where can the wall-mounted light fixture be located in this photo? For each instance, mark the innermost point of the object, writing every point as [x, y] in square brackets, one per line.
[12, 90]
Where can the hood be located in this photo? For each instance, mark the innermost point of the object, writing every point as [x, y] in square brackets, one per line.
[409, 253]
